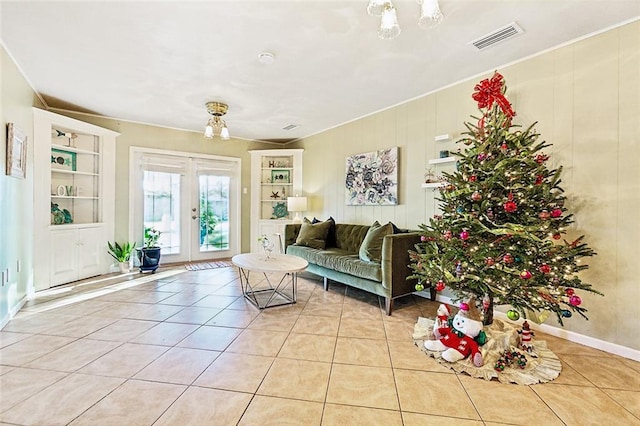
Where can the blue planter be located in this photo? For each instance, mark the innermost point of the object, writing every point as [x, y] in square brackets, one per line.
[149, 259]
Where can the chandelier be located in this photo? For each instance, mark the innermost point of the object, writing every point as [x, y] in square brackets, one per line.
[216, 125]
[430, 16]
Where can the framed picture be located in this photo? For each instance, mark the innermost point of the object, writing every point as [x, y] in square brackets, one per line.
[16, 152]
[372, 178]
[280, 176]
[63, 160]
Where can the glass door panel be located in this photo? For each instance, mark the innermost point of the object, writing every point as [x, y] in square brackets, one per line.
[213, 227]
[161, 208]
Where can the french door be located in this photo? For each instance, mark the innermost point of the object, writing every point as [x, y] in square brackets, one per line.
[192, 200]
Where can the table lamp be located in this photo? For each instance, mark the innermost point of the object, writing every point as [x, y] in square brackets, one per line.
[297, 204]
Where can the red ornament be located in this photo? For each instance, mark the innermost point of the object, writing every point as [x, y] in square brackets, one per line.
[510, 207]
[476, 196]
[473, 178]
[504, 147]
[464, 307]
[575, 300]
[507, 258]
[440, 285]
[525, 275]
[556, 213]
[544, 268]
[544, 215]
[447, 235]
[539, 179]
[482, 156]
[541, 158]
[557, 236]
[569, 291]
[489, 261]
[464, 235]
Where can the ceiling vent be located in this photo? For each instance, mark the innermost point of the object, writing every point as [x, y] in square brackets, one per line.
[290, 127]
[501, 34]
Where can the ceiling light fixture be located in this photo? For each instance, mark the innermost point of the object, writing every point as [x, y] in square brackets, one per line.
[216, 125]
[430, 16]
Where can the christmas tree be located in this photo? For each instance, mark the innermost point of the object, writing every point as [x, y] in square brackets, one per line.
[503, 218]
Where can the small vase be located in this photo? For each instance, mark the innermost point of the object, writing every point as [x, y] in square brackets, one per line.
[124, 267]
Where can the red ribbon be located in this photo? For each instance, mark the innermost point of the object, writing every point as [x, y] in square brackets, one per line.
[489, 91]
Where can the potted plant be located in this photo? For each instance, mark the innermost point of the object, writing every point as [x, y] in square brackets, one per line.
[122, 254]
[149, 253]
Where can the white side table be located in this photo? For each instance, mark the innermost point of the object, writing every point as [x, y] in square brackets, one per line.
[280, 283]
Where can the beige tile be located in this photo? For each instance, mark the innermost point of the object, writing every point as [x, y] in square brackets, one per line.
[194, 315]
[235, 372]
[569, 376]
[61, 402]
[268, 411]
[124, 361]
[292, 378]
[399, 330]
[362, 386]
[565, 347]
[22, 383]
[201, 406]
[37, 323]
[258, 342]
[242, 304]
[341, 415]
[153, 312]
[4, 369]
[604, 372]
[370, 329]
[134, 403]
[414, 419]
[332, 310]
[211, 338]
[183, 299]
[579, 405]
[274, 321]
[136, 296]
[121, 310]
[628, 399]
[178, 365]
[233, 318]
[308, 324]
[518, 404]
[362, 352]
[81, 327]
[9, 338]
[122, 330]
[165, 334]
[87, 307]
[73, 356]
[309, 347]
[212, 301]
[407, 355]
[359, 311]
[34, 347]
[433, 393]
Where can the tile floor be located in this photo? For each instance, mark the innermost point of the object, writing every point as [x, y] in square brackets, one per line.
[184, 348]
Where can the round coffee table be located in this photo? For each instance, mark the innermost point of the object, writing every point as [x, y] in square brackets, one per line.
[280, 283]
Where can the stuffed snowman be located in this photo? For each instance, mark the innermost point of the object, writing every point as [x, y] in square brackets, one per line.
[461, 337]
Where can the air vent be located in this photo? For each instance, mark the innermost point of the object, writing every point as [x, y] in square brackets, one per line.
[508, 31]
[290, 127]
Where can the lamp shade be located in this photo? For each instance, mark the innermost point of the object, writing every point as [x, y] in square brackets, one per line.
[296, 204]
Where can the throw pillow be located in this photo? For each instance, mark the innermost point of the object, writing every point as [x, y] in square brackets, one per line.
[331, 236]
[371, 247]
[397, 230]
[313, 235]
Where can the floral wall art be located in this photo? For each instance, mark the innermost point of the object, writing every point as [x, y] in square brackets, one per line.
[372, 178]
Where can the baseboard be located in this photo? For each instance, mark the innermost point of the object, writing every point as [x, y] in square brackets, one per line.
[571, 336]
[13, 311]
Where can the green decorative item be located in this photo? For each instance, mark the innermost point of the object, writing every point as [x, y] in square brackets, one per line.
[279, 211]
[60, 217]
[479, 246]
[151, 237]
[121, 252]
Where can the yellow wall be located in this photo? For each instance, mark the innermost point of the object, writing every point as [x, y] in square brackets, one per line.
[586, 98]
[140, 135]
[16, 201]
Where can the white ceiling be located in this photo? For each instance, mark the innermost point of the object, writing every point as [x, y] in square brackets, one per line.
[159, 62]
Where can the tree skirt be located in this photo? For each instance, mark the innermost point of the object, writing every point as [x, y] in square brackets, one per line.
[542, 364]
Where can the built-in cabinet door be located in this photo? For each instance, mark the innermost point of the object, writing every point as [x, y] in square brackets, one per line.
[64, 256]
[91, 248]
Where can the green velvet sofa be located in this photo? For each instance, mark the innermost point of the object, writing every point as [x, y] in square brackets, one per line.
[340, 262]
